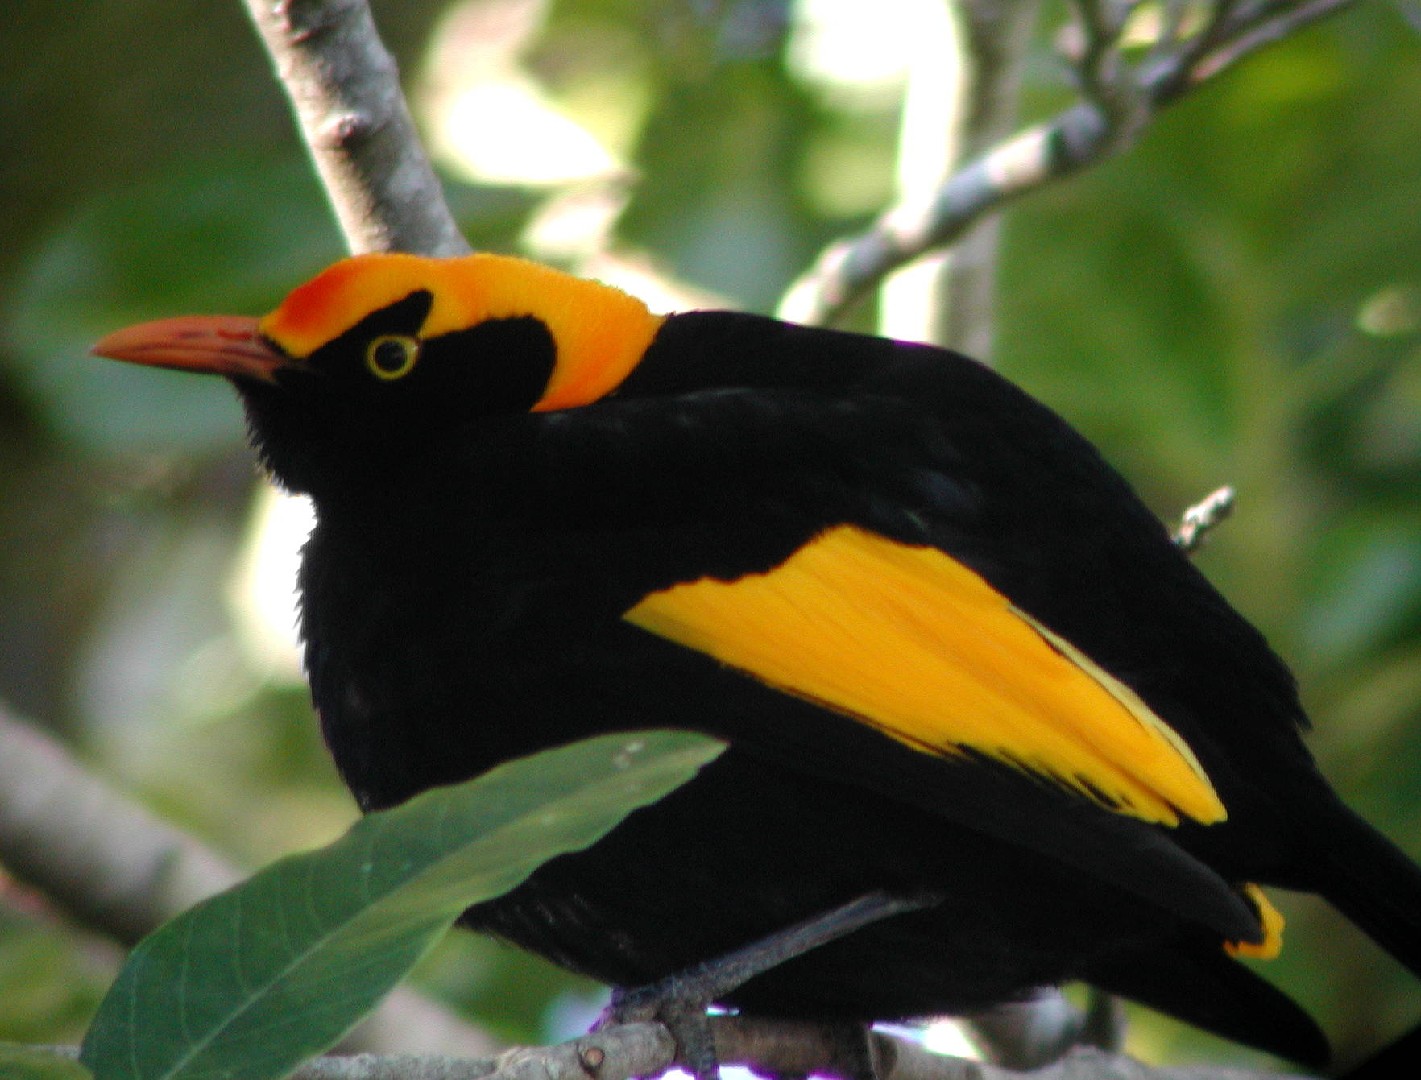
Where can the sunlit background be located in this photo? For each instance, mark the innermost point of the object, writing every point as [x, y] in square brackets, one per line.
[1236, 300]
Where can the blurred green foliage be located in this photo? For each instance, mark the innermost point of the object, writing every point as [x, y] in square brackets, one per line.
[1237, 299]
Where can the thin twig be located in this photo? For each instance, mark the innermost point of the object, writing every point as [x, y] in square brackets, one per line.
[1025, 162]
[1104, 78]
[1118, 102]
[1249, 39]
[993, 50]
[345, 90]
[1203, 516]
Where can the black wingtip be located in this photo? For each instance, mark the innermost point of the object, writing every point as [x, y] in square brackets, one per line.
[1209, 990]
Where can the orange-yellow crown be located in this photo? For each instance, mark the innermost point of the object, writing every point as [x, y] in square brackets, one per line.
[600, 332]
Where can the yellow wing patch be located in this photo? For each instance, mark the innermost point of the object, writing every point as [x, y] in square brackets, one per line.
[914, 643]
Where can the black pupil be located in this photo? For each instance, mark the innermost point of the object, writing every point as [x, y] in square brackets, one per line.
[390, 355]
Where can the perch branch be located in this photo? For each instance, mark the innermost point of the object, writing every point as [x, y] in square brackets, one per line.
[770, 1048]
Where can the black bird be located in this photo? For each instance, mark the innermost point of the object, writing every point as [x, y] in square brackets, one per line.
[956, 661]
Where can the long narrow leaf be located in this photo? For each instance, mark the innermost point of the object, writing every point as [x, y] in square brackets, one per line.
[252, 982]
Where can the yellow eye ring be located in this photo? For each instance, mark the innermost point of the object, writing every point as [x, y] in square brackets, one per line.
[391, 356]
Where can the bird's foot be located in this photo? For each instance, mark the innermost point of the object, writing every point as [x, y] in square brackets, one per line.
[684, 1017]
[680, 1001]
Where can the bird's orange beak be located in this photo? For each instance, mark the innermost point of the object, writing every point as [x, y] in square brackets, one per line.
[216, 344]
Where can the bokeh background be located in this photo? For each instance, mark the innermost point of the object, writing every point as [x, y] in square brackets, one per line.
[1236, 300]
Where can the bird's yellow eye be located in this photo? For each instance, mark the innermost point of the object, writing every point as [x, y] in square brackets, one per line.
[391, 356]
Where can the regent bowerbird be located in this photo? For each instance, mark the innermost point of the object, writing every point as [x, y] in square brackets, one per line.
[988, 729]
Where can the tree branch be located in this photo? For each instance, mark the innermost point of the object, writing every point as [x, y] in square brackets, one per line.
[946, 120]
[104, 860]
[997, 42]
[770, 1048]
[118, 870]
[1118, 102]
[345, 90]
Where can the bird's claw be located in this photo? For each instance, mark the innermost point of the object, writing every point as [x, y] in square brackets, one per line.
[680, 1001]
[683, 1015]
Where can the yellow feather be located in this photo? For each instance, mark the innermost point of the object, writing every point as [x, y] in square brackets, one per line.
[919, 646]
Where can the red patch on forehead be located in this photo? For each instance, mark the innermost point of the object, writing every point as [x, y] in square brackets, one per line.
[310, 308]
[341, 295]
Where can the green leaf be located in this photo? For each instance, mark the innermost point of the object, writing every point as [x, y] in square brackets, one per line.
[30, 1063]
[252, 982]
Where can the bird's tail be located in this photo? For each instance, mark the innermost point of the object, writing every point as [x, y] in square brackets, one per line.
[1370, 880]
